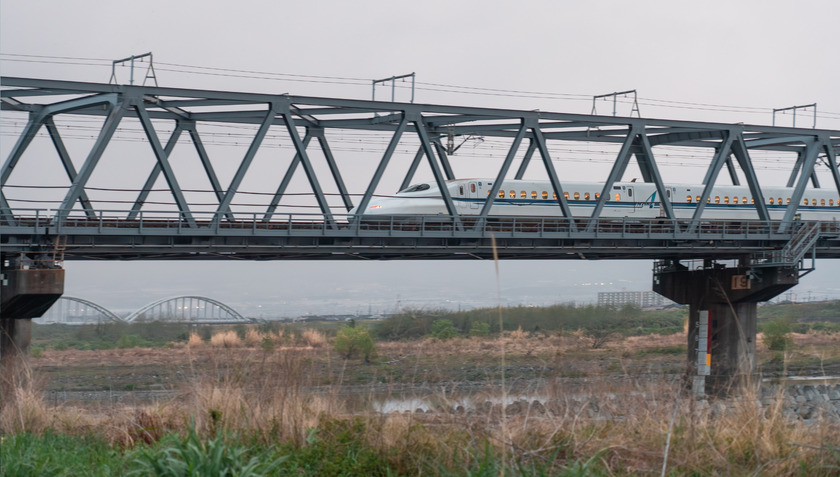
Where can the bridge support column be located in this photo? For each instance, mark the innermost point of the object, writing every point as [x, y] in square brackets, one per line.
[722, 317]
[28, 288]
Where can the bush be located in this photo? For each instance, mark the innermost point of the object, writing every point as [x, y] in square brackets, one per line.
[443, 330]
[479, 328]
[777, 334]
[351, 341]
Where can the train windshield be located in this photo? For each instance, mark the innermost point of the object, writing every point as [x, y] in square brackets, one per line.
[417, 188]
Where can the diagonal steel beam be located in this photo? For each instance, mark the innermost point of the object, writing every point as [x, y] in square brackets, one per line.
[153, 176]
[412, 169]
[383, 164]
[439, 179]
[115, 115]
[552, 176]
[616, 173]
[6, 211]
[444, 159]
[523, 166]
[307, 167]
[68, 164]
[287, 179]
[163, 161]
[224, 204]
[647, 163]
[722, 155]
[33, 124]
[733, 174]
[205, 161]
[739, 149]
[497, 184]
[832, 163]
[800, 158]
[812, 150]
[336, 173]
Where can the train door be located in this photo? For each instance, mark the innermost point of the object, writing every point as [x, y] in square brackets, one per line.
[631, 197]
[472, 194]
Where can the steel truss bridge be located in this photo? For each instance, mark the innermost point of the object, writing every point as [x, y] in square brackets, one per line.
[79, 227]
[181, 309]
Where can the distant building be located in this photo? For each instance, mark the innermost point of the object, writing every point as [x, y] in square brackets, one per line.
[642, 299]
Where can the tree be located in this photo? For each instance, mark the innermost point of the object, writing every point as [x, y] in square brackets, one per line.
[777, 334]
[356, 340]
[479, 328]
[443, 329]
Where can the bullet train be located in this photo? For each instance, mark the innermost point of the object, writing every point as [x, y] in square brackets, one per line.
[527, 198]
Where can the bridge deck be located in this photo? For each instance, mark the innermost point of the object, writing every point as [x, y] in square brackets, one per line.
[309, 237]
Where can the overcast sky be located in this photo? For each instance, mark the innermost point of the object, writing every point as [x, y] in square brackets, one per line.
[727, 61]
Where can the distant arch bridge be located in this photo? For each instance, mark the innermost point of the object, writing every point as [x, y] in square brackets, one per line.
[192, 309]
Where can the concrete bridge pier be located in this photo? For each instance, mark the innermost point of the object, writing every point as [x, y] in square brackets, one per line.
[28, 288]
[722, 316]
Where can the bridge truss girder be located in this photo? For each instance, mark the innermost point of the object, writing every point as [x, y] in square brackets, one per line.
[313, 116]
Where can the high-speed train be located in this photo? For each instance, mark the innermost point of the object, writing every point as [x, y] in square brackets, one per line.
[526, 198]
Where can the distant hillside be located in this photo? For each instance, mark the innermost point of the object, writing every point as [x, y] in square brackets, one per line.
[826, 311]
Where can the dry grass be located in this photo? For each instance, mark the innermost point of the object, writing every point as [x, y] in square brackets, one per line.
[313, 338]
[195, 341]
[226, 339]
[253, 338]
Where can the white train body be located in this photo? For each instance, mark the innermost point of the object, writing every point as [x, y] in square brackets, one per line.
[524, 198]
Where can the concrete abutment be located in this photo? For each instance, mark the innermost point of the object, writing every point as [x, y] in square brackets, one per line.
[722, 327]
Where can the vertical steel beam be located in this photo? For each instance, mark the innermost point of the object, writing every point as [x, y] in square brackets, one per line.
[552, 176]
[497, 184]
[336, 173]
[722, 155]
[647, 163]
[417, 119]
[812, 149]
[532, 146]
[284, 183]
[163, 161]
[224, 204]
[67, 163]
[115, 115]
[150, 181]
[412, 169]
[307, 165]
[616, 173]
[739, 148]
[383, 164]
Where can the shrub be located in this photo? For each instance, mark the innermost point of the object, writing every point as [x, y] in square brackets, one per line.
[777, 335]
[314, 338]
[479, 328]
[354, 340]
[443, 329]
[226, 339]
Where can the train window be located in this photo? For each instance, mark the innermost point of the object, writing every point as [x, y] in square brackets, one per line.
[417, 188]
[554, 196]
[735, 200]
[717, 199]
[698, 199]
[668, 193]
[472, 187]
[586, 196]
[629, 192]
[771, 201]
[726, 199]
[577, 195]
[523, 194]
[688, 199]
[822, 202]
[709, 200]
[513, 194]
[745, 200]
[501, 194]
[533, 194]
[566, 195]
[780, 201]
[806, 201]
[545, 195]
[597, 195]
[752, 201]
[461, 190]
[617, 197]
[787, 201]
